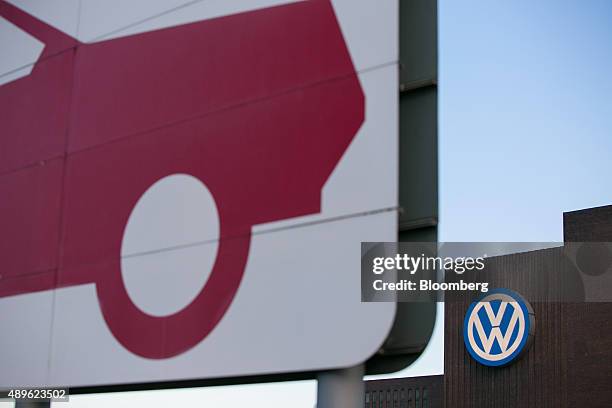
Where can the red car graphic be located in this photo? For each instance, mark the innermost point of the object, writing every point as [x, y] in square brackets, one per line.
[260, 106]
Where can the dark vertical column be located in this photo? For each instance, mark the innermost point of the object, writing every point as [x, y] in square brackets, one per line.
[418, 170]
[418, 116]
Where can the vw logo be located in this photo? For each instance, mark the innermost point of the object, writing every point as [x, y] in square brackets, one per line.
[498, 327]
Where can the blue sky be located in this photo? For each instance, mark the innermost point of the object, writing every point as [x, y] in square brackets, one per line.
[525, 134]
[525, 116]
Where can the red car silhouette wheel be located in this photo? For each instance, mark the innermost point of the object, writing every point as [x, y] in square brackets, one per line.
[259, 106]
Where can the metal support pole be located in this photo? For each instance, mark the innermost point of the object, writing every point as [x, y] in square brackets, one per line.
[32, 404]
[341, 388]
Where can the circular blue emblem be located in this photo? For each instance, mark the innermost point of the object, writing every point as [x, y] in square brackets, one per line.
[498, 327]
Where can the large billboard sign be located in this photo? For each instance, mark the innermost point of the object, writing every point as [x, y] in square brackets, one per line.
[185, 186]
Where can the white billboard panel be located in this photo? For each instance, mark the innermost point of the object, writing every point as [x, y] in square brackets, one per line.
[195, 205]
